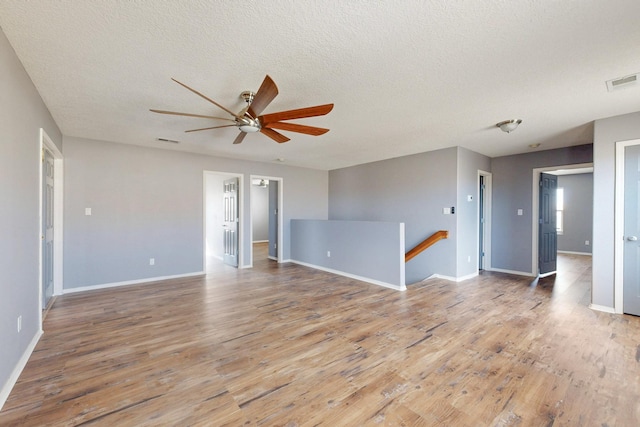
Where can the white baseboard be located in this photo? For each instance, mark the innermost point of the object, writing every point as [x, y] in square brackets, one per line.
[450, 278]
[15, 374]
[260, 241]
[517, 273]
[130, 282]
[352, 276]
[603, 308]
[574, 253]
[272, 258]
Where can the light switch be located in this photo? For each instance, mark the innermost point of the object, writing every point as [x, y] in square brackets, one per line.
[520, 212]
[446, 211]
[87, 211]
[469, 198]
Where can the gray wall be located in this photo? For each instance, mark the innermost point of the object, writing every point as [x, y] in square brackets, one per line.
[260, 212]
[469, 162]
[512, 190]
[22, 114]
[149, 203]
[606, 133]
[412, 189]
[578, 212]
[353, 247]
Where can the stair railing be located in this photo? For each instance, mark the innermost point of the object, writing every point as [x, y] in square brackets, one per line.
[429, 241]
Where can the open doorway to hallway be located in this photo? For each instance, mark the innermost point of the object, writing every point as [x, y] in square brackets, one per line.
[266, 218]
[574, 228]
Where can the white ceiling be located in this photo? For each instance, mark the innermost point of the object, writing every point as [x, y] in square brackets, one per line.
[405, 76]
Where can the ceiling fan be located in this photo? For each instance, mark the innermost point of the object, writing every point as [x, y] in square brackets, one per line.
[249, 120]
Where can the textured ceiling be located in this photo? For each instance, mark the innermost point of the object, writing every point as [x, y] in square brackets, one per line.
[405, 76]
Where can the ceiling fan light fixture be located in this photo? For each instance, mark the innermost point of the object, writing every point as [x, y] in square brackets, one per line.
[248, 125]
[509, 126]
[249, 128]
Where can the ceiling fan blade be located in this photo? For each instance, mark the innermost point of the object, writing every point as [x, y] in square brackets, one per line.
[205, 97]
[292, 127]
[240, 137]
[276, 136]
[189, 115]
[263, 97]
[213, 127]
[300, 113]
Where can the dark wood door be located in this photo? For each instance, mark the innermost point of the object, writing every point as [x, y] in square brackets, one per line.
[548, 234]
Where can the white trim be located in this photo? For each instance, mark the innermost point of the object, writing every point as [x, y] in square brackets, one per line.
[574, 253]
[602, 308]
[272, 258]
[240, 177]
[550, 273]
[517, 273]
[450, 278]
[131, 282]
[535, 202]
[618, 233]
[487, 218]
[17, 370]
[280, 238]
[260, 241]
[352, 276]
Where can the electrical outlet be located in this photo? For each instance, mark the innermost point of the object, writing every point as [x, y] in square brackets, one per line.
[586, 243]
[20, 323]
[152, 261]
[328, 254]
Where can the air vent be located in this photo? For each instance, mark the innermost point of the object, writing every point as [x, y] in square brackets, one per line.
[172, 141]
[622, 82]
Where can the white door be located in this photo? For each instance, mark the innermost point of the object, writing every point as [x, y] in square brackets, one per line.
[47, 227]
[631, 269]
[230, 224]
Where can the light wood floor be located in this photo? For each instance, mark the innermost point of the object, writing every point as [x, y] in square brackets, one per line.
[284, 345]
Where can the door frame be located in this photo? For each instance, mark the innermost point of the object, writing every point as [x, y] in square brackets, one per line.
[241, 197]
[280, 181]
[535, 203]
[58, 212]
[618, 224]
[488, 177]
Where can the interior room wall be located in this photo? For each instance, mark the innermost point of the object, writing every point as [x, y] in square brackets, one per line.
[260, 213]
[606, 133]
[148, 203]
[512, 178]
[411, 189]
[577, 213]
[22, 114]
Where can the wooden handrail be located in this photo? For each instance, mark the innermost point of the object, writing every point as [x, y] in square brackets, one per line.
[429, 241]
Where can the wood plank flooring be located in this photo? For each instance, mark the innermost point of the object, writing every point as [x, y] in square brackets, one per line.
[285, 345]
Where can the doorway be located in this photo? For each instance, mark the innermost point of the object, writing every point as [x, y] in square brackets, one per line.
[223, 209]
[267, 216]
[484, 220]
[535, 235]
[626, 263]
[51, 222]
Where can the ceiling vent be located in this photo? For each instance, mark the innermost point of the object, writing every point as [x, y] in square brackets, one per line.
[172, 141]
[623, 82]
